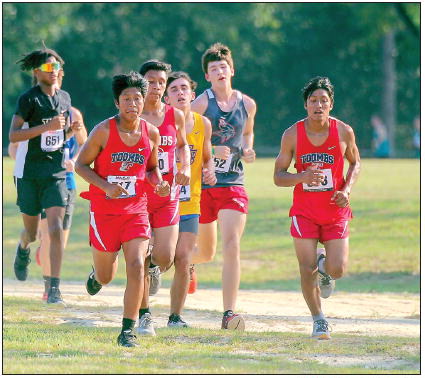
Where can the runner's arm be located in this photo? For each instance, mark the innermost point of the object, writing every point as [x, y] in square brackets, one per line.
[182, 150]
[208, 172]
[248, 153]
[12, 149]
[200, 104]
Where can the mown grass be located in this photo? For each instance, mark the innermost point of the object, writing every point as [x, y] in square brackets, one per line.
[384, 241]
[34, 344]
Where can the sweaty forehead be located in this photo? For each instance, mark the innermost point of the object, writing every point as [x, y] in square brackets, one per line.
[155, 74]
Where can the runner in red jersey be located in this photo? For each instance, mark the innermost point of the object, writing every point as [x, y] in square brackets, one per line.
[124, 150]
[320, 210]
[163, 212]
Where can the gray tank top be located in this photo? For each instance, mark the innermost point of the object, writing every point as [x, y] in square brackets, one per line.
[227, 130]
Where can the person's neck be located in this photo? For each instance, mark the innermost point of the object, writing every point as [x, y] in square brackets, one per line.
[49, 90]
[223, 93]
[187, 113]
[155, 107]
[125, 126]
[317, 126]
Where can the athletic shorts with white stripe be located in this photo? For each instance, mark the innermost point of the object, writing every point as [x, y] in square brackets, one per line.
[304, 228]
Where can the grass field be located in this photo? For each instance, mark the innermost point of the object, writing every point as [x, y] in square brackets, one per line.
[384, 257]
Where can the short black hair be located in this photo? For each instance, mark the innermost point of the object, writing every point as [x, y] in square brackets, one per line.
[36, 58]
[318, 82]
[155, 65]
[180, 74]
[130, 80]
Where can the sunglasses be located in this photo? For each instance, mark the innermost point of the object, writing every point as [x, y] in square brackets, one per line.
[50, 67]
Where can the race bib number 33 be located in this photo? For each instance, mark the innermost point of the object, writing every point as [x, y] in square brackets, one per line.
[127, 182]
[326, 185]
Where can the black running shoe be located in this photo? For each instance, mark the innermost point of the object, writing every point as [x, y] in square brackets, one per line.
[175, 321]
[22, 261]
[54, 296]
[127, 339]
[92, 286]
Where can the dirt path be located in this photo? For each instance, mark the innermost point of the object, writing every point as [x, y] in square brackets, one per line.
[357, 314]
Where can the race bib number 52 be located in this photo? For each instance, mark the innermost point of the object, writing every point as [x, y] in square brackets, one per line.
[222, 165]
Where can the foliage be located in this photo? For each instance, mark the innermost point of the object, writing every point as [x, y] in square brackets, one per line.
[277, 47]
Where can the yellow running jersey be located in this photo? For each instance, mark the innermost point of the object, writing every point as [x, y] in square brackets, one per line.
[190, 195]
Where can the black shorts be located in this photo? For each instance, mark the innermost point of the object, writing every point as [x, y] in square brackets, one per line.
[34, 195]
[69, 209]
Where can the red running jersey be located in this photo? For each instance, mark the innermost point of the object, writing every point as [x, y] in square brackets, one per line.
[314, 202]
[124, 165]
[166, 157]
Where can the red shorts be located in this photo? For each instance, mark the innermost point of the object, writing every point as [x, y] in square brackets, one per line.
[108, 232]
[164, 213]
[215, 199]
[304, 228]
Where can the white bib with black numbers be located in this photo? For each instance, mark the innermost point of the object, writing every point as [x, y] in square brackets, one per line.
[127, 182]
[184, 193]
[52, 140]
[163, 162]
[325, 186]
[223, 165]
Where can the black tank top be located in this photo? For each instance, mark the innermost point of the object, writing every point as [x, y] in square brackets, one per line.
[227, 130]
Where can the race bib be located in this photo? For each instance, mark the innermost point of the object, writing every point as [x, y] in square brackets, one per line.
[52, 140]
[163, 162]
[127, 182]
[185, 193]
[221, 165]
[325, 186]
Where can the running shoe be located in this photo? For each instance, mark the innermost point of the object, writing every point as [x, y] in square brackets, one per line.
[146, 325]
[54, 296]
[127, 339]
[321, 330]
[22, 260]
[92, 286]
[155, 280]
[233, 321]
[326, 282]
[193, 284]
[175, 321]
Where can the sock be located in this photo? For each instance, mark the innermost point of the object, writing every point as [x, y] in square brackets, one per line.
[321, 265]
[128, 324]
[143, 311]
[318, 316]
[54, 282]
[23, 252]
[46, 283]
[151, 265]
[228, 312]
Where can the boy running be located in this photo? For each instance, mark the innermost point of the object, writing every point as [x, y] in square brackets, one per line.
[124, 151]
[320, 210]
[163, 212]
[180, 93]
[232, 118]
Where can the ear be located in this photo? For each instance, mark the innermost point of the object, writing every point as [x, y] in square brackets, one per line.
[331, 106]
[232, 72]
[207, 78]
[305, 105]
[192, 97]
[116, 104]
[167, 100]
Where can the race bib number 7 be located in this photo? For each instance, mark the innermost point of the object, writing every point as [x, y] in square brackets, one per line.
[127, 182]
[326, 185]
[222, 165]
[52, 140]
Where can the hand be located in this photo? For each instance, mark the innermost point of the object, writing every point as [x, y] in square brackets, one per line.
[70, 165]
[183, 176]
[115, 191]
[209, 177]
[248, 155]
[162, 189]
[313, 176]
[222, 152]
[56, 123]
[341, 198]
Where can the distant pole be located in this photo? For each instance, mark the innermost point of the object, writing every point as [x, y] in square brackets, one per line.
[389, 109]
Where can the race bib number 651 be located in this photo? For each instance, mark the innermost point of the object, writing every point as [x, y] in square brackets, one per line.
[52, 140]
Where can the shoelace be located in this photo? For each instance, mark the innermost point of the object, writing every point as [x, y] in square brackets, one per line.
[325, 279]
[322, 325]
[176, 318]
[147, 320]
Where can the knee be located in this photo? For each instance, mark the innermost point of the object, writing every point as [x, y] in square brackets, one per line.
[336, 271]
[104, 277]
[163, 261]
[307, 270]
[55, 232]
[136, 269]
[182, 262]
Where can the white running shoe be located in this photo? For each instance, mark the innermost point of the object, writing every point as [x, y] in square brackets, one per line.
[145, 327]
[155, 280]
[321, 330]
[326, 282]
